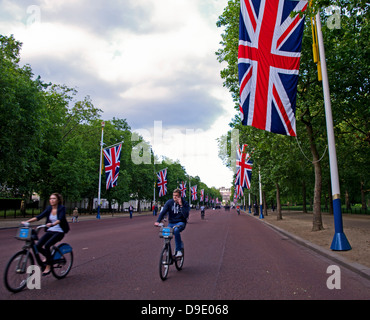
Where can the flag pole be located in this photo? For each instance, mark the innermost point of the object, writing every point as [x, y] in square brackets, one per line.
[260, 184]
[340, 242]
[100, 166]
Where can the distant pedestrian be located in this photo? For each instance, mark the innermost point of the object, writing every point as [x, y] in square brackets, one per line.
[155, 209]
[130, 209]
[75, 215]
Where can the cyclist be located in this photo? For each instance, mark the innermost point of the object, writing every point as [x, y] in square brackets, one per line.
[178, 213]
[57, 225]
[202, 208]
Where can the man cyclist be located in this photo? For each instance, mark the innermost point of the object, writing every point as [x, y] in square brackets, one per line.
[178, 212]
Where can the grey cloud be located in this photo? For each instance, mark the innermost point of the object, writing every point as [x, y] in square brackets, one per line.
[186, 110]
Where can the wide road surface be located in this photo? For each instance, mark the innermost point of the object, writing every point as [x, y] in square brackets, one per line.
[226, 257]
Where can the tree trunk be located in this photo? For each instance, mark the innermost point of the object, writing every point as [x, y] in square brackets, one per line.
[317, 220]
[278, 204]
[363, 201]
[304, 196]
[348, 204]
[264, 203]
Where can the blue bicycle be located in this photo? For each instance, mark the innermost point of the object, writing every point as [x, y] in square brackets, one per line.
[167, 257]
[15, 276]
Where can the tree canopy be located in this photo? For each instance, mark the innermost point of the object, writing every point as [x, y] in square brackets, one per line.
[296, 165]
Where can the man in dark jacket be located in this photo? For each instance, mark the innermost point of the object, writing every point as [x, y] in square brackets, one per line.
[178, 212]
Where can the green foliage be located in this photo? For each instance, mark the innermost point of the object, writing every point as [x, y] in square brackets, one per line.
[285, 160]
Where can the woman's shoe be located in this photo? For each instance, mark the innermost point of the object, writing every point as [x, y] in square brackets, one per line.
[46, 273]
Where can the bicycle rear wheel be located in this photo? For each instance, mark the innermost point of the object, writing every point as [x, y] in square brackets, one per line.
[164, 262]
[180, 262]
[62, 260]
[15, 275]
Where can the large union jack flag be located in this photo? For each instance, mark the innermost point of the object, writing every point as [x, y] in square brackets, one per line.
[268, 61]
[112, 158]
[244, 168]
[162, 182]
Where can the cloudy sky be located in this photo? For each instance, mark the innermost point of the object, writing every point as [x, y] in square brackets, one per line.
[151, 62]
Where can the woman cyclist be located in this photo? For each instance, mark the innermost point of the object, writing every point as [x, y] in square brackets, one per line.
[57, 225]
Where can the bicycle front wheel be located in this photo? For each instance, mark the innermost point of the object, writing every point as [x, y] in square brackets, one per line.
[62, 261]
[15, 275]
[164, 262]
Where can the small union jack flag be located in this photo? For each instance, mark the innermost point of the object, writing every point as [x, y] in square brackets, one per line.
[202, 195]
[194, 193]
[112, 158]
[162, 182]
[244, 168]
[268, 61]
[183, 189]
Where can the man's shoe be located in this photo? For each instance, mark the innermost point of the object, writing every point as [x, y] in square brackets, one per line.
[178, 254]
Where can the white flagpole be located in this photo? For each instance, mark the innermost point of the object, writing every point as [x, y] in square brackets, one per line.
[340, 242]
[260, 184]
[101, 155]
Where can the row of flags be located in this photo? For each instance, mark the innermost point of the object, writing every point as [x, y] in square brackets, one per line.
[112, 156]
[162, 188]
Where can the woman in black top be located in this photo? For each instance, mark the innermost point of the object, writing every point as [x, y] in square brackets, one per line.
[57, 226]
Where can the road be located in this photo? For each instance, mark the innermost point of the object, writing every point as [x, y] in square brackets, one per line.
[227, 257]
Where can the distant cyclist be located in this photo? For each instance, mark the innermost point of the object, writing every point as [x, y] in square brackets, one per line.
[178, 213]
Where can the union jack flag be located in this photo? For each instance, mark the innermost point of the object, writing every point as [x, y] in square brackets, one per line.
[238, 192]
[183, 189]
[194, 193]
[162, 182]
[112, 158]
[202, 195]
[244, 168]
[268, 61]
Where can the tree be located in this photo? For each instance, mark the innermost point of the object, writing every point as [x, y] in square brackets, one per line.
[311, 126]
[21, 122]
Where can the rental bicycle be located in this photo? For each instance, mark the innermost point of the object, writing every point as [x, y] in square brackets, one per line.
[167, 257]
[15, 275]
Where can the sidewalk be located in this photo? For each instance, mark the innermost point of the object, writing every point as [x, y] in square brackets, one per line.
[297, 226]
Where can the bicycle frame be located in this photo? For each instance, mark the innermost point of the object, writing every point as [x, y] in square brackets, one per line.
[169, 258]
[167, 244]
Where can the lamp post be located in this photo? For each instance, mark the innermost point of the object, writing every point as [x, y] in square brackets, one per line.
[100, 167]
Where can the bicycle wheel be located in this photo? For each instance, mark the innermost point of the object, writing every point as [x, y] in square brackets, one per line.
[180, 262]
[62, 260]
[164, 262]
[15, 275]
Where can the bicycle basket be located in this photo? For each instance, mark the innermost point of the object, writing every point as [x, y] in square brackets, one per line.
[24, 233]
[166, 232]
